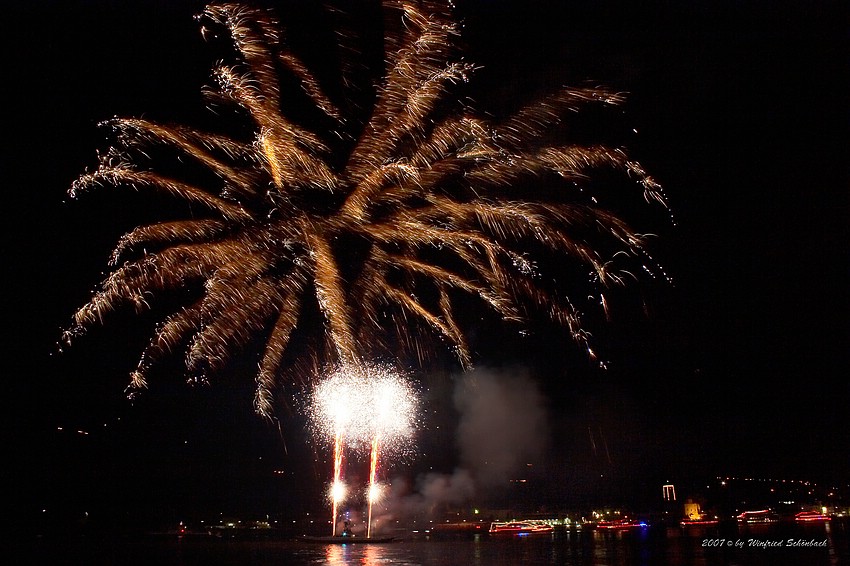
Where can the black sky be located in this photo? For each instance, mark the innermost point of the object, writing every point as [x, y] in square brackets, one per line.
[740, 367]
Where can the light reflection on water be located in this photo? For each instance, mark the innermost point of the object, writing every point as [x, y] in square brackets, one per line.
[642, 547]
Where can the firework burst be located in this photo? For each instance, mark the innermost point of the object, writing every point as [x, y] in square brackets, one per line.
[355, 404]
[363, 407]
[379, 221]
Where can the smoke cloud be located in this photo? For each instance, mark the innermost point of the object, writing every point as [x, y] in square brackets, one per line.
[502, 426]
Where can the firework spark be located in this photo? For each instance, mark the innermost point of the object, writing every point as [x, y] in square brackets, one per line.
[338, 490]
[380, 220]
[355, 405]
[393, 414]
[373, 491]
[367, 406]
[335, 408]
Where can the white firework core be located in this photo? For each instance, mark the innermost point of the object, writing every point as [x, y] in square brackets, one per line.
[363, 402]
[338, 492]
[374, 493]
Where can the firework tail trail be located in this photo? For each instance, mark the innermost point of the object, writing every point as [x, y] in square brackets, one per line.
[373, 468]
[335, 495]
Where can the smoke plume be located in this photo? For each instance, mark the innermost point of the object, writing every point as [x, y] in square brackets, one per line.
[502, 426]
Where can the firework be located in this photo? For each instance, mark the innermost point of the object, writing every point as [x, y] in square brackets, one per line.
[393, 413]
[355, 405]
[373, 491]
[337, 487]
[380, 219]
[335, 410]
[363, 406]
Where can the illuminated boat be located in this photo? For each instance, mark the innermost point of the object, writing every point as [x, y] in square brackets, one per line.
[761, 516]
[698, 522]
[520, 528]
[621, 524]
[810, 517]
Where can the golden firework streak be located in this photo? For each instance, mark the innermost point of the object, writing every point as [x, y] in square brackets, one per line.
[373, 468]
[386, 217]
[336, 496]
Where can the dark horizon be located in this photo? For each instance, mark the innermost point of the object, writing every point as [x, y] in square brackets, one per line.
[738, 368]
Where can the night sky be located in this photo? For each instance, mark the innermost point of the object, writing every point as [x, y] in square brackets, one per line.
[739, 367]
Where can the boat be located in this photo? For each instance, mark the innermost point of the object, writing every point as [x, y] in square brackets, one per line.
[811, 517]
[520, 528]
[758, 517]
[621, 524]
[339, 539]
[698, 522]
